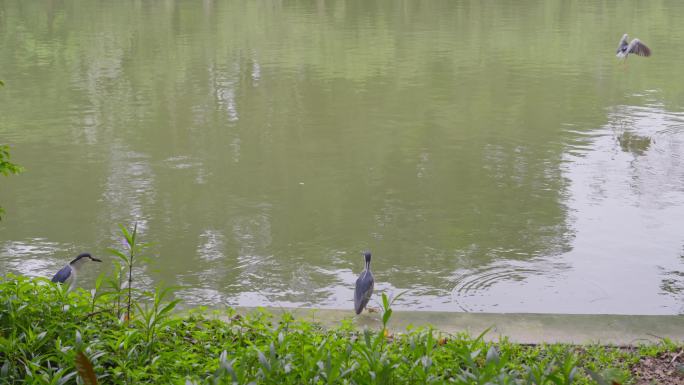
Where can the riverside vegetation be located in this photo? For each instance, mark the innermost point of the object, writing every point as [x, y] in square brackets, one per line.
[117, 334]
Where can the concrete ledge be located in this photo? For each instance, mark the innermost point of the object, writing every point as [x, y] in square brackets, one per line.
[518, 327]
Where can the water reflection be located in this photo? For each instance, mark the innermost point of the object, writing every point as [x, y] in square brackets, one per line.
[627, 188]
[34, 257]
[261, 146]
[636, 144]
[129, 188]
[625, 185]
[673, 282]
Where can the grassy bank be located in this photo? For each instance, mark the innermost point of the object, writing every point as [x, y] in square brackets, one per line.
[44, 329]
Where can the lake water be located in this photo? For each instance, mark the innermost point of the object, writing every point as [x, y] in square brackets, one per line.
[494, 155]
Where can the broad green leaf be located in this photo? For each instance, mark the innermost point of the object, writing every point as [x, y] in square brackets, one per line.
[386, 316]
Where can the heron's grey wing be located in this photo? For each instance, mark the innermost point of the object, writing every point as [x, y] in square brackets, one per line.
[623, 43]
[639, 48]
[62, 275]
[363, 291]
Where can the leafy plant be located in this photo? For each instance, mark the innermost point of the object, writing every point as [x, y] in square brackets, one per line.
[131, 253]
[154, 316]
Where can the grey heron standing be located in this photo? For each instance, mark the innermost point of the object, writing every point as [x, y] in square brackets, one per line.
[364, 286]
[635, 46]
[70, 271]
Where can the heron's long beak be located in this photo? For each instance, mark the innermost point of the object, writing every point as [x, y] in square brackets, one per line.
[95, 259]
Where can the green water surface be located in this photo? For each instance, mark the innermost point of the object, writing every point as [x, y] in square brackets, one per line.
[493, 155]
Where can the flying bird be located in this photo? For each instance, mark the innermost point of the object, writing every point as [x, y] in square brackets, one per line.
[70, 271]
[635, 46]
[364, 286]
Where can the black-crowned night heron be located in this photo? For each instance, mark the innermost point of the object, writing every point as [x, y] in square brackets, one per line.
[635, 46]
[70, 271]
[364, 286]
